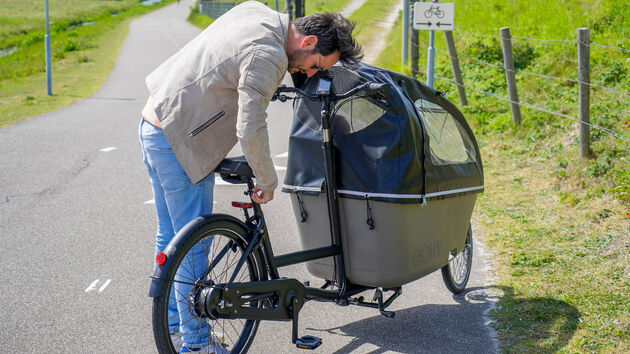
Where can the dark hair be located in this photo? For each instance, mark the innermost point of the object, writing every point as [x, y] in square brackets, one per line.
[334, 33]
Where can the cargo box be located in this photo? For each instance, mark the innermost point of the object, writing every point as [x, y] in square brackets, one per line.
[408, 173]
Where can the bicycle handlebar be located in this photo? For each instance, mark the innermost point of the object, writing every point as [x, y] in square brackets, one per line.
[369, 88]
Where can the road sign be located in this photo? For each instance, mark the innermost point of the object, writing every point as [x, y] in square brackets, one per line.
[435, 16]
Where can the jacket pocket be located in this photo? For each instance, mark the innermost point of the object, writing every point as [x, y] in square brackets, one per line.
[206, 124]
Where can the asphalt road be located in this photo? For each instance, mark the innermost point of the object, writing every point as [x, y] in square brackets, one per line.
[77, 234]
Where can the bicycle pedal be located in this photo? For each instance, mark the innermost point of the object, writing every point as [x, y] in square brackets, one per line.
[308, 342]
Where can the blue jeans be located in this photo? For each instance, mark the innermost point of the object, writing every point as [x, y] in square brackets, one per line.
[177, 202]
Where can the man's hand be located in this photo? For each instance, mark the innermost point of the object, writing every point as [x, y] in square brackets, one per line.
[261, 197]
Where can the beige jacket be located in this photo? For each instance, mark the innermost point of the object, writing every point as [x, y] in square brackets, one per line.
[215, 91]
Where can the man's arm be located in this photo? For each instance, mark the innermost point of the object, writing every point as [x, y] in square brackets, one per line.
[260, 77]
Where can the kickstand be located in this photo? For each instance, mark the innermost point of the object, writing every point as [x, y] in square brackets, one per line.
[378, 295]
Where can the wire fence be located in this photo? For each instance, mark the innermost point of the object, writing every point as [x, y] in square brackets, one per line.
[515, 38]
[619, 94]
[502, 68]
[542, 109]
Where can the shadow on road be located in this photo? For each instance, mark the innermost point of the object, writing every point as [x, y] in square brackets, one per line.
[452, 328]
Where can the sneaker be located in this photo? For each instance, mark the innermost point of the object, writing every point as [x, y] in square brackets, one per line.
[212, 348]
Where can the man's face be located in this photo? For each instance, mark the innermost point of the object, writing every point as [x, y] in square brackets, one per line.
[308, 61]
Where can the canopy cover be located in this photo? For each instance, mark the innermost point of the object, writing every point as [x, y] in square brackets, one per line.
[405, 146]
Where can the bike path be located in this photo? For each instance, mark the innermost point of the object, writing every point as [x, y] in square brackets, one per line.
[77, 233]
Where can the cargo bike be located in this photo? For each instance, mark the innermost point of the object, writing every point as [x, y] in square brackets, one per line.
[383, 174]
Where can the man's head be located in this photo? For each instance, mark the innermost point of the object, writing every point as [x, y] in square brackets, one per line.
[320, 41]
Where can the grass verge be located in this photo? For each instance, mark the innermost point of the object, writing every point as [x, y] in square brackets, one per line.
[316, 6]
[198, 19]
[559, 226]
[82, 57]
[367, 17]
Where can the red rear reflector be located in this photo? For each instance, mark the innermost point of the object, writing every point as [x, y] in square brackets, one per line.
[241, 205]
[160, 259]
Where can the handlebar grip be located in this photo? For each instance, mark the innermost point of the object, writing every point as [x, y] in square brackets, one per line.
[374, 89]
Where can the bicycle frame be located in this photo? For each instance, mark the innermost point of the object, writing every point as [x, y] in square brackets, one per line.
[327, 98]
[280, 298]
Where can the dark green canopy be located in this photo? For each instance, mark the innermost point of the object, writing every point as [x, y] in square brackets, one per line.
[413, 146]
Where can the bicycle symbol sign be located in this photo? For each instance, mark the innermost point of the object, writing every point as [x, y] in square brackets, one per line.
[433, 16]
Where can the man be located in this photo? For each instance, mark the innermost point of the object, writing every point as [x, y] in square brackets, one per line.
[213, 93]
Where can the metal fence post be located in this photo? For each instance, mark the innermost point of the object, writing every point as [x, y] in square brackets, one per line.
[290, 10]
[48, 59]
[584, 78]
[457, 73]
[510, 77]
[405, 31]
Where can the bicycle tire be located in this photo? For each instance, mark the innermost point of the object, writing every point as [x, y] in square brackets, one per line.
[235, 335]
[457, 271]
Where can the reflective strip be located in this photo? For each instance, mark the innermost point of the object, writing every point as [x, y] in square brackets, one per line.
[454, 191]
[382, 195]
[387, 195]
[299, 188]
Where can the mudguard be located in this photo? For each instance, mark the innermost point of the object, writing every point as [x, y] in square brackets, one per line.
[159, 274]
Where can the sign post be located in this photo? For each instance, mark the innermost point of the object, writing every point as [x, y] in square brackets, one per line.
[48, 64]
[405, 34]
[434, 17]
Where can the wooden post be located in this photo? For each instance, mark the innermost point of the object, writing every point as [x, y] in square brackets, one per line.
[508, 62]
[415, 52]
[584, 78]
[457, 73]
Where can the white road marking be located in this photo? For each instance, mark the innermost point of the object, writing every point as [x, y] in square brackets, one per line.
[151, 201]
[104, 285]
[92, 286]
[280, 168]
[284, 154]
[108, 149]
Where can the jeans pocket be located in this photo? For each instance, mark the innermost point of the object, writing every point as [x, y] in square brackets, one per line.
[174, 182]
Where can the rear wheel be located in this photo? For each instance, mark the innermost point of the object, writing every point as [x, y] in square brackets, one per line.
[457, 271]
[175, 321]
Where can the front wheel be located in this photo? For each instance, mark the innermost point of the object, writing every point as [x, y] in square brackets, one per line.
[457, 271]
[209, 256]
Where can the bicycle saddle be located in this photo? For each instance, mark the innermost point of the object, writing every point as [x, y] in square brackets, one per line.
[234, 170]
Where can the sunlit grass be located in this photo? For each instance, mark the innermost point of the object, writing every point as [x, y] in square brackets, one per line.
[82, 57]
[367, 18]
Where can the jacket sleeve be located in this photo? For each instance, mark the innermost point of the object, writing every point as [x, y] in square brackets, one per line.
[261, 74]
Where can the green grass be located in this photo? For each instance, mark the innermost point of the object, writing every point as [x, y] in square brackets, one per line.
[367, 17]
[559, 226]
[320, 6]
[27, 17]
[314, 6]
[82, 55]
[198, 19]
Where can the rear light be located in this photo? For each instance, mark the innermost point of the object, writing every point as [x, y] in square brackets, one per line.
[160, 259]
[241, 205]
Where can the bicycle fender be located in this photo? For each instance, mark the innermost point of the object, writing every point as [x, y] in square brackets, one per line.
[159, 274]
